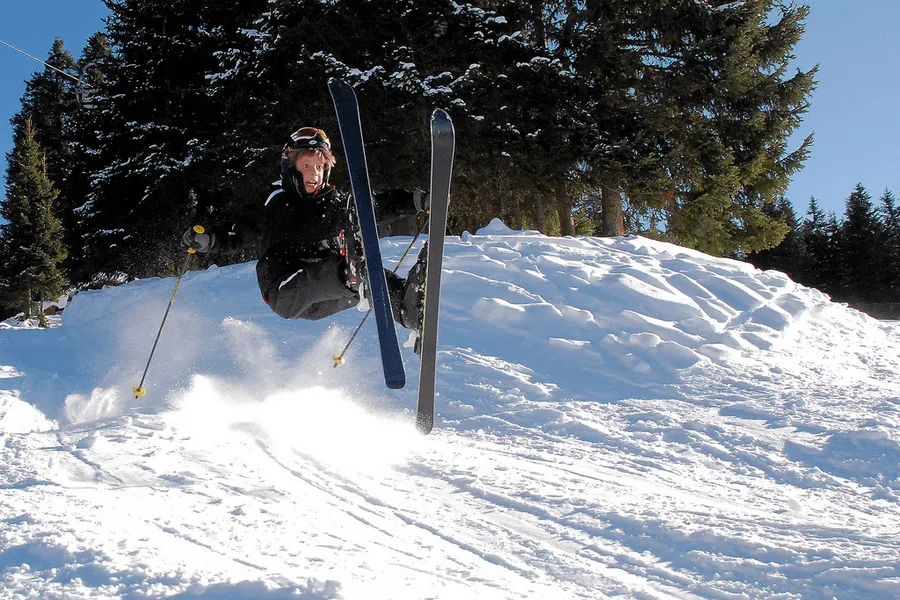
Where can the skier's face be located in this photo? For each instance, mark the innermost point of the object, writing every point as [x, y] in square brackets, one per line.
[312, 169]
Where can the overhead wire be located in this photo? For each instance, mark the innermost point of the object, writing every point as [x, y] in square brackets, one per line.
[69, 75]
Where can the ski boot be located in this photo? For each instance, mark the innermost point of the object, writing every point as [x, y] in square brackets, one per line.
[408, 299]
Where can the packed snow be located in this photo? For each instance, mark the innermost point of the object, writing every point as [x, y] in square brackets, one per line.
[616, 417]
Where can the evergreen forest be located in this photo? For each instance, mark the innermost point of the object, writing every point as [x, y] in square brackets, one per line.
[665, 118]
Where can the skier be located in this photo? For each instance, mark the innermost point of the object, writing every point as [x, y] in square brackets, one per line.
[305, 268]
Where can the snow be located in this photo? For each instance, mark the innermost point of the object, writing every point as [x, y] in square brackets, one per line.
[616, 417]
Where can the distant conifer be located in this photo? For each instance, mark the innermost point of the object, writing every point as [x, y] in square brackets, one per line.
[32, 239]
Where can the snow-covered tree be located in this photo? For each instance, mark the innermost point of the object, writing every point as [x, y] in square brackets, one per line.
[159, 165]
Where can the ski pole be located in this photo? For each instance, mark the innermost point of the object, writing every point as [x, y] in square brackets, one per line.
[139, 388]
[339, 358]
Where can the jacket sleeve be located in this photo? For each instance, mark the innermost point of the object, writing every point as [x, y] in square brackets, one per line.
[240, 235]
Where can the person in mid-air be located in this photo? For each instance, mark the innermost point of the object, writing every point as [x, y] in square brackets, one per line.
[310, 266]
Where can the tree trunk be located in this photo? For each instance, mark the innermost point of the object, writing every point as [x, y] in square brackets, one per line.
[539, 212]
[611, 221]
[42, 318]
[564, 210]
[517, 212]
[28, 302]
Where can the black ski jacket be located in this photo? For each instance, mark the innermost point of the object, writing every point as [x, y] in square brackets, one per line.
[290, 228]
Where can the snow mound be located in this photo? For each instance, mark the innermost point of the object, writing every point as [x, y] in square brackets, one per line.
[540, 318]
[630, 312]
[615, 418]
[20, 417]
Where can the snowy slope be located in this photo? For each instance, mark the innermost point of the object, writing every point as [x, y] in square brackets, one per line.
[617, 418]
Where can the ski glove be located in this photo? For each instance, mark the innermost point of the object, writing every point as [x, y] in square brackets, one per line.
[199, 242]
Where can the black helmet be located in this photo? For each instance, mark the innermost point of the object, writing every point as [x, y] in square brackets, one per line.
[305, 137]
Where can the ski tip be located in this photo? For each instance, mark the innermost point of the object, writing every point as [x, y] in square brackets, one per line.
[339, 87]
[441, 123]
[440, 114]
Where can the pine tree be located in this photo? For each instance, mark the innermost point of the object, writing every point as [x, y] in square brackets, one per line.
[833, 267]
[160, 164]
[32, 240]
[742, 149]
[49, 102]
[790, 255]
[690, 101]
[889, 249]
[816, 246]
[859, 239]
[88, 135]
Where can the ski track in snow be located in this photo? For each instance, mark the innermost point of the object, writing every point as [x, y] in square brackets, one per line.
[616, 418]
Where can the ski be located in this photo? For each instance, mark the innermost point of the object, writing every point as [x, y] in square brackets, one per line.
[347, 112]
[443, 143]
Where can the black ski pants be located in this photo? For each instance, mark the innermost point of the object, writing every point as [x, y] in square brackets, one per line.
[314, 291]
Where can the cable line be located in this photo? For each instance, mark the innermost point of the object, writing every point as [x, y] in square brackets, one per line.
[69, 75]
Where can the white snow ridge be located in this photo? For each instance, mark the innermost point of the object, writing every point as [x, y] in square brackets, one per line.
[616, 418]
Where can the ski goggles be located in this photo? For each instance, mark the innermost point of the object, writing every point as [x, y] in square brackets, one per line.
[309, 137]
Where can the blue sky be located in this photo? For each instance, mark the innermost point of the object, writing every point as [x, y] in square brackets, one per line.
[853, 110]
